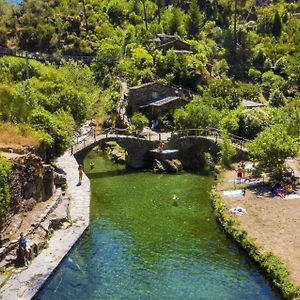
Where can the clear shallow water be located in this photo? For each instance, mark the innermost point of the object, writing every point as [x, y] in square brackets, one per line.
[15, 1]
[140, 246]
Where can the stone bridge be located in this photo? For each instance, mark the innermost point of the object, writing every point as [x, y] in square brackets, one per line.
[192, 149]
[137, 148]
[191, 143]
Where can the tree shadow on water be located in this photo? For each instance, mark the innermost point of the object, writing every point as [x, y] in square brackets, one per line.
[112, 173]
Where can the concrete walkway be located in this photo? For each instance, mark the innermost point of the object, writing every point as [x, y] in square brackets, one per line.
[26, 284]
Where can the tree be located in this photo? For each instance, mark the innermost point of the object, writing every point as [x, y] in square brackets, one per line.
[227, 150]
[272, 147]
[5, 168]
[234, 25]
[107, 57]
[44, 121]
[277, 26]
[281, 65]
[175, 21]
[145, 14]
[194, 20]
[276, 98]
[139, 121]
[196, 115]
[252, 122]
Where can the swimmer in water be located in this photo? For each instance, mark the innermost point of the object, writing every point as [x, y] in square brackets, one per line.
[92, 165]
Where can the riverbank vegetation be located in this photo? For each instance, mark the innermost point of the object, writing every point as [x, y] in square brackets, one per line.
[276, 270]
[48, 104]
[250, 52]
[5, 168]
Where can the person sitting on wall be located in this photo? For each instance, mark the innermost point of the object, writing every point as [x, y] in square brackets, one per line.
[154, 124]
[24, 249]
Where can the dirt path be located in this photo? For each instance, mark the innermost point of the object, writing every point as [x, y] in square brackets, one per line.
[273, 222]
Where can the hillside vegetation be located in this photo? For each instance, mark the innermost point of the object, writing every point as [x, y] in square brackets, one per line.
[250, 50]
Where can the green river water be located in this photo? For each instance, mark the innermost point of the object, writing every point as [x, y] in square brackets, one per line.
[140, 246]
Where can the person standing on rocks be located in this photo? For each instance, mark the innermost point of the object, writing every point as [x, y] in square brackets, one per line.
[24, 248]
[80, 173]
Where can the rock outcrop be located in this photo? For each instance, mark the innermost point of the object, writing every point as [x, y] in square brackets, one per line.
[166, 165]
[31, 181]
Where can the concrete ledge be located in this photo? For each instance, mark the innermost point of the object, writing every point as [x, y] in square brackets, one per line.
[27, 283]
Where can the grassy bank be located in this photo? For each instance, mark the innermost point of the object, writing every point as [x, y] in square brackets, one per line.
[276, 270]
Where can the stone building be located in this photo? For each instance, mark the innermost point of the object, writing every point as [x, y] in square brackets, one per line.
[154, 99]
[164, 42]
[251, 104]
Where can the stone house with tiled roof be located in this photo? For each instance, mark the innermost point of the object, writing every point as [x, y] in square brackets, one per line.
[155, 99]
[165, 42]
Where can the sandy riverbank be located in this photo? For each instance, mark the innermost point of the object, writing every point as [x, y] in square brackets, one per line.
[272, 222]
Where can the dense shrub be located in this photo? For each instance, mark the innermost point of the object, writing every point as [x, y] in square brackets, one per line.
[196, 115]
[272, 147]
[252, 122]
[44, 121]
[5, 168]
[139, 121]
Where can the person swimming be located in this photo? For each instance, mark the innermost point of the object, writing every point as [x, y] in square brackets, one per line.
[92, 165]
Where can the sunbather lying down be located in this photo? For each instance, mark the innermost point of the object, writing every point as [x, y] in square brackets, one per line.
[282, 190]
[238, 210]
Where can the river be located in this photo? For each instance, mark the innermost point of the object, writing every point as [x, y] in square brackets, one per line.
[141, 245]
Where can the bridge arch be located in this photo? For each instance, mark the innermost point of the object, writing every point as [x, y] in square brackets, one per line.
[137, 149]
[192, 145]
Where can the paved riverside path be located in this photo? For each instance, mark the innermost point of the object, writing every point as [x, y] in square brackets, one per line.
[25, 284]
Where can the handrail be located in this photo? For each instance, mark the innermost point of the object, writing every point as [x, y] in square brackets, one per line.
[210, 130]
[91, 136]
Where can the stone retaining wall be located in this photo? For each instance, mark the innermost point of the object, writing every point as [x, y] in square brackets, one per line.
[28, 282]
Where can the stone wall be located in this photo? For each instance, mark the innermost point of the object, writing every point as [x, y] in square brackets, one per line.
[192, 151]
[147, 93]
[30, 181]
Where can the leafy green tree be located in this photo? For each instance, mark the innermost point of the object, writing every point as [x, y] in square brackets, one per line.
[138, 67]
[174, 21]
[272, 81]
[268, 64]
[139, 121]
[6, 98]
[272, 147]
[107, 58]
[276, 98]
[5, 168]
[44, 121]
[281, 65]
[254, 74]
[221, 67]
[277, 25]
[24, 102]
[252, 122]
[195, 20]
[196, 115]
[228, 151]
[293, 70]
[229, 120]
